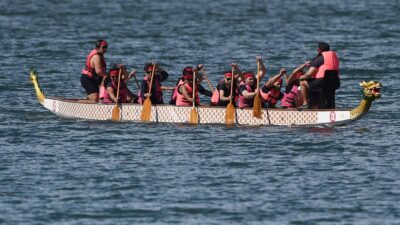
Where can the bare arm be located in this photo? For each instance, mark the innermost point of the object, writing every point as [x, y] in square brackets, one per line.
[311, 72]
[110, 91]
[263, 70]
[222, 97]
[184, 92]
[275, 78]
[98, 67]
[249, 95]
[292, 76]
[239, 75]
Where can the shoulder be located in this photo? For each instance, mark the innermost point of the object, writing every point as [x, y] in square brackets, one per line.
[318, 61]
[181, 87]
[96, 57]
[265, 89]
[221, 86]
[242, 88]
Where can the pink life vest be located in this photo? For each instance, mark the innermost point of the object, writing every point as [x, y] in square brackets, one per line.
[122, 93]
[102, 91]
[89, 70]
[244, 102]
[215, 95]
[331, 62]
[182, 101]
[271, 97]
[290, 99]
[157, 84]
[175, 92]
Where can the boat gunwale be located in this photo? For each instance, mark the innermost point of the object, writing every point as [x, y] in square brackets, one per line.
[79, 101]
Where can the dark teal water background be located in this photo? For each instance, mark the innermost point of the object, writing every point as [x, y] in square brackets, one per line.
[66, 171]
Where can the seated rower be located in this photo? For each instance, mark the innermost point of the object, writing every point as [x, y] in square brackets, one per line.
[185, 90]
[271, 90]
[102, 88]
[292, 97]
[156, 95]
[221, 96]
[111, 85]
[248, 88]
[201, 89]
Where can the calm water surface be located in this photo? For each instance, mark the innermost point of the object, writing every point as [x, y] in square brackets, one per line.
[66, 171]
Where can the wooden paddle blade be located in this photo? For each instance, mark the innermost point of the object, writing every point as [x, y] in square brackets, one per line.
[230, 114]
[193, 117]
[257, 107]
[115, 116]
[146, 110]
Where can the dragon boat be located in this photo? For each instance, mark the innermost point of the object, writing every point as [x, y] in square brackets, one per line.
[75, 108]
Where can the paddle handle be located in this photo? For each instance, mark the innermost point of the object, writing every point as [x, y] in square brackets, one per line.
[152, 76]
[208, 80]
[119, 82]
[137, 83]
[194, 88]
[233, 77]
[258, 71]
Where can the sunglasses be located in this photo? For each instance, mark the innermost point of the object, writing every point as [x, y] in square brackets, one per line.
[228, 79]
[104, 47]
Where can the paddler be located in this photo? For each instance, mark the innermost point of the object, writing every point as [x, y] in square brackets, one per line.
[160, 75]
[248, 89]
[180, 81]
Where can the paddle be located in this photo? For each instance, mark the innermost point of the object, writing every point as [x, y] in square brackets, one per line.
[194, 117]
[208, 80]
[146, 109]
[137, 83]
[257, 100]
[134, 77]
[115, 116]
[230, 109]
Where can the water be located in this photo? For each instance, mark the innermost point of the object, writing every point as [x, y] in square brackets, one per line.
[67, 171]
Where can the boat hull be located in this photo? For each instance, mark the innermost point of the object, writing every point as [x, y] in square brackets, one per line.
[207, 115]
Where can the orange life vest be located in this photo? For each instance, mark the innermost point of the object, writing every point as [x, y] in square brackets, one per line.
[271, 97]
[331, 62]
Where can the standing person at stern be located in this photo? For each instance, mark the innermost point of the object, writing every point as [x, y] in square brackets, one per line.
[94, 71]
[322, 78]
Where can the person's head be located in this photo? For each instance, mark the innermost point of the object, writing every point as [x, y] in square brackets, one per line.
[148, 69]
[249, 78]
[228, 78]
[101, 46]
[187, 74]
[114, 72]
[323, 47]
